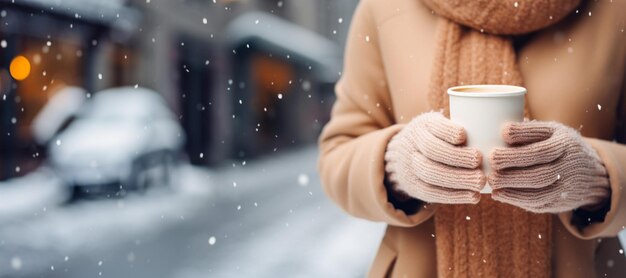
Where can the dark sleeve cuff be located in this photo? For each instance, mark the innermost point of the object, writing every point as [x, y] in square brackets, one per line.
[583, 217]
[402, 201]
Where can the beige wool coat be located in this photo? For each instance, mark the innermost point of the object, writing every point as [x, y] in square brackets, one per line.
[575, 74]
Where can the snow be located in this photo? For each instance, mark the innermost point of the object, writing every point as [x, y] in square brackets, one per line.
[62, 105]
[303, 179]
[87, 225]
[16, 263]
[111, 131]
[212, 240]
[26, 196]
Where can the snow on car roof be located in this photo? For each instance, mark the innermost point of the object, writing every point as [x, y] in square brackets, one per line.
[127, 102]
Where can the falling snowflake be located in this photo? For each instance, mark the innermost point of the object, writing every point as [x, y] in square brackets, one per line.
[303, 180]
[16, 263]
[212, 240]
[610, 263]
[130, 257]
[3, 44]
[204, 20]
[468, 218]
[599, 107]
[340, 20]
[539, 236]
[367, 38]
[280, 96]
[100, 76]
[515, 4]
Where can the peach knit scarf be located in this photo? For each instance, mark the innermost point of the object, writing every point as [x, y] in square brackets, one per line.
[474, 46]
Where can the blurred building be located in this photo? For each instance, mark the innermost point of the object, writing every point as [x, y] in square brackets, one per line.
[246, 78]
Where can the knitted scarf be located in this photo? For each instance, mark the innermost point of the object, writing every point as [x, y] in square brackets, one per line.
[490, 239]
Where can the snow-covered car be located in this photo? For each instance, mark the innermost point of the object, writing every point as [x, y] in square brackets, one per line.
[122, 139]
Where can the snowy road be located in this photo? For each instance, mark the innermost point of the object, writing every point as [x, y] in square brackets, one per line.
[258, 219]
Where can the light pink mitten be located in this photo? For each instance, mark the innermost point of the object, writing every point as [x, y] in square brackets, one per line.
[426, 161]
[548, 168]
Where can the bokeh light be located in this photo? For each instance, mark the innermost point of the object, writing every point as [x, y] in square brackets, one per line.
[20, 68]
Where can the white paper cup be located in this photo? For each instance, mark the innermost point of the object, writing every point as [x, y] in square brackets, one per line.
[483, 110]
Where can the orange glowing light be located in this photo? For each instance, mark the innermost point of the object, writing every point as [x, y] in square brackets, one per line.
[20, 68]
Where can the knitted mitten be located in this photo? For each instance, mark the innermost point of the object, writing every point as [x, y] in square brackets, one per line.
[548, 168]
[425, 161]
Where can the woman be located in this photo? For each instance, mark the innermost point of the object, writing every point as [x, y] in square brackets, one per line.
[557, 203]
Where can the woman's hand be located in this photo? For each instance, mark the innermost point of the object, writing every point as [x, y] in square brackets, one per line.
[426, 161]
[548, 168]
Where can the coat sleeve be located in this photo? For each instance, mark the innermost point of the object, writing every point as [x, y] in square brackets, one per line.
[613, 216]
[353, 143]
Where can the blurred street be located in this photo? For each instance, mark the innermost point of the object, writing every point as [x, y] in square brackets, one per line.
[248, 219]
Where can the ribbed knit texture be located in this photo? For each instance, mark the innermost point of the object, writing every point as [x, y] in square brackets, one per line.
[550, 169]
[425, 161]
[490, 239]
